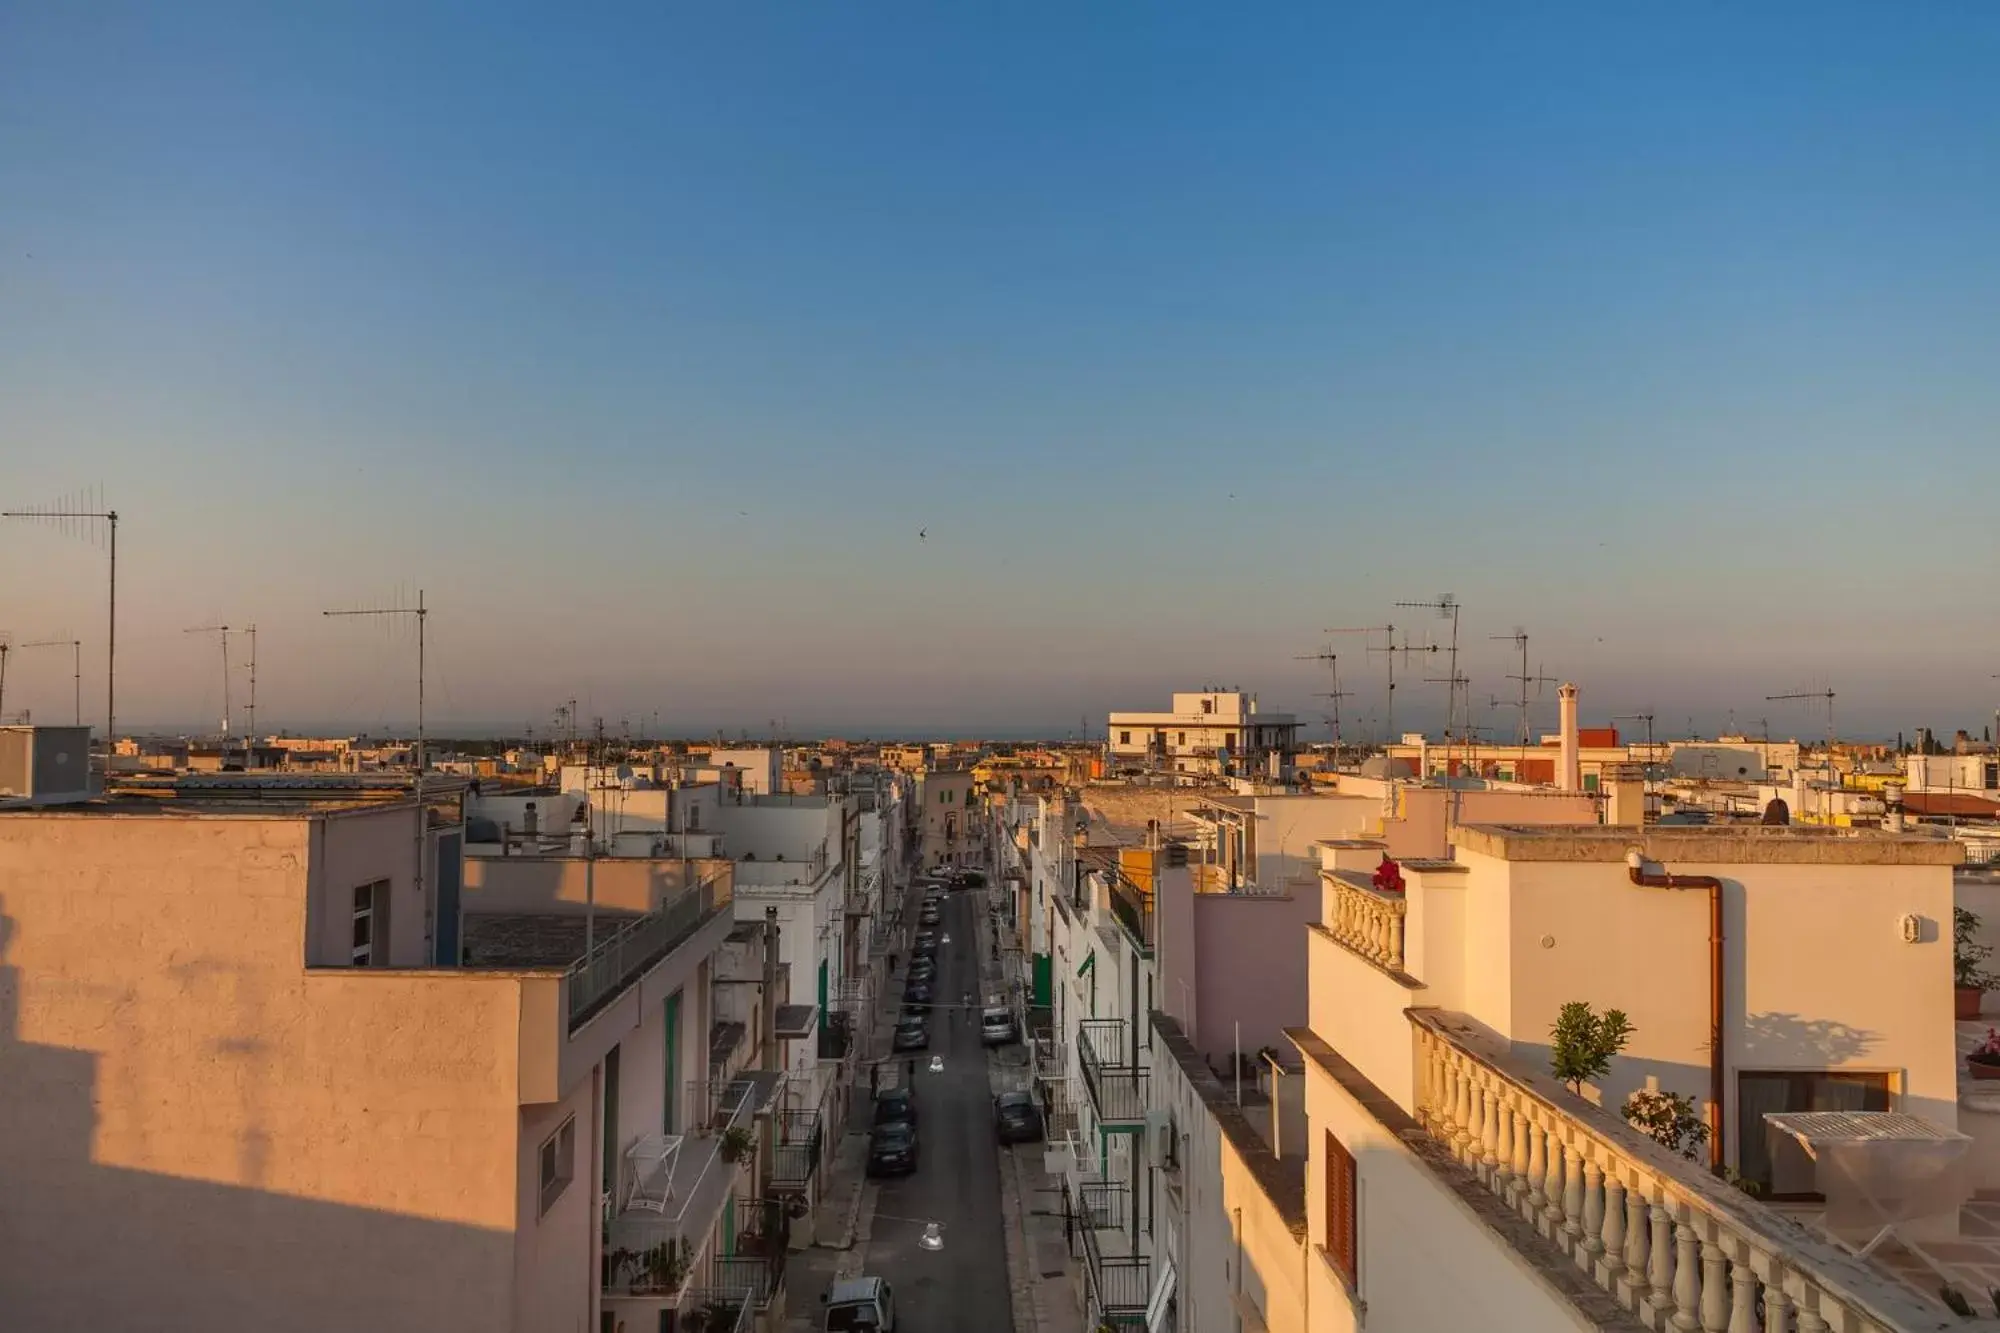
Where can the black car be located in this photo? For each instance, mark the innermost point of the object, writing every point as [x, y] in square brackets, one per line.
[923, 969]
[1016, 1118]
[926, 945]
[930, 916]
[895, 1106]
[892, 1150]
[912, 1034]
[918, 992]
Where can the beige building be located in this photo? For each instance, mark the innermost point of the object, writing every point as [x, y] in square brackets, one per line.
[238, 1094]
[1452, 1182]
[1204, 733]
[950, 826]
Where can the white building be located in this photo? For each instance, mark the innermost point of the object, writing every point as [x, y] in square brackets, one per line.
[1208, 732]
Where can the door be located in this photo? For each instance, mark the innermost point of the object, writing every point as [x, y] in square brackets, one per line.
[1781, 1169]
[673, 1100]
[450, 869]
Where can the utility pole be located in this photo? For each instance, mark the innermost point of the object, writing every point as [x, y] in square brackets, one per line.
[76, 666]
[80, 518]
[250, 710]
[6, 646]
[423, 815]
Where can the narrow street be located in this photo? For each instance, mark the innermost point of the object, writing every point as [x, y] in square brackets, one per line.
[957, 1182]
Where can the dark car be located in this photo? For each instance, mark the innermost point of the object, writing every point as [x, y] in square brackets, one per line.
[927, 944]
[896, 1106]
[1016, 1118]
[923, 969]
[912, 1034]
[919, 992]
[930, 916]
[892, 1150]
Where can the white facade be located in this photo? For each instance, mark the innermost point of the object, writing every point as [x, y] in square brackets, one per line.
[1204, 732]
[1971, 774]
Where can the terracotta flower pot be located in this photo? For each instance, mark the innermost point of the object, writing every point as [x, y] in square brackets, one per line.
[1983, 1068]
[1965, 1003]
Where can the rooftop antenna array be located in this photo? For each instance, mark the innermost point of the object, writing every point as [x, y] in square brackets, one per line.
[76, 653]
[1811, 698]
[1389, 649]
[221, 633]
[1333, 695]
[1519, 638]
[1446, 607]
[85, 517]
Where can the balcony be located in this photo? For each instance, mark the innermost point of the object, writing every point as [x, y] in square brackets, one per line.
[1365, 919]
[1133, 906]
[755, 1264]
[628, 953]
[1672, 1245]
[723, 1310]
[1118, 1091]
[1120, 1276]
[672, 1190]
[795, 1153]
[779, 877]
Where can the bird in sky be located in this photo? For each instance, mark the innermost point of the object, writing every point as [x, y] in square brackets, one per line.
[922, 533]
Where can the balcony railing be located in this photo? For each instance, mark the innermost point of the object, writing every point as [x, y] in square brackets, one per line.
[780, 877]
[727, 1310]
[756, 1264]
[1121, 1283]
[795, 1153]
[1117, 1090]
[628, 952]
[649, 1244]
[1368, 921]
[1668, 1242]
[1133, 906]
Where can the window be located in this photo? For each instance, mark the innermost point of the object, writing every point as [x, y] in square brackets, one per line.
[1341, 1188]
[1787, 1173]
[1124, 738]
[1208, 705]
[558, 1162]
[371, 924]
[1180, 738]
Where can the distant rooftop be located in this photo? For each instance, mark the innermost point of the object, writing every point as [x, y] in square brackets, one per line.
[1740, 844]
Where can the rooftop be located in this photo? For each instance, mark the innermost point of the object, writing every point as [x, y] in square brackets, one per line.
[1710, 844]
[1283, 1179]
[531, 939]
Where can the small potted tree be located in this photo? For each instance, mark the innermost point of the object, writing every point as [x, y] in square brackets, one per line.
[1984, 1059]
[1582, 1042]
[1970, 980]
[736, 1145]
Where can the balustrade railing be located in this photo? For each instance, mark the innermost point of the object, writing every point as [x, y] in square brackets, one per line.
[622, 956]
[1368, 921]
[1678, 1248]
[1117, 1090]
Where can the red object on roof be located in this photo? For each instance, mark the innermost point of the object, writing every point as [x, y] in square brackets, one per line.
[1389, 877]
[1597, 738]
[1938, 804]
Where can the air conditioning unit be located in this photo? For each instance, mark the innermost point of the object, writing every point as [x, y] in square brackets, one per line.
[1163, 1142]
[45, 765]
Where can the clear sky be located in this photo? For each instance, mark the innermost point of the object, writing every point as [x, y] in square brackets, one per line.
[647, 342]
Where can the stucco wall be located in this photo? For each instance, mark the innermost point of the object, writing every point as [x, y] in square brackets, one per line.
[1358, 1009]
[1274, 1275]
[553, 1252]
[356, 847]
[767, 832]
[1250, 967]
[194, 1126]
[1798, 936]
[1288, 826]
[564, 885]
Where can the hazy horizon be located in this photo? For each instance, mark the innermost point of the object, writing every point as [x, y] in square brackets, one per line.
[649, 346]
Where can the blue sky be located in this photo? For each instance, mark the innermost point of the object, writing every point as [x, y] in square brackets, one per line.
[646, 345]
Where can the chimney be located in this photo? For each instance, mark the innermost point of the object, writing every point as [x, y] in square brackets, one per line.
[1892, 799]
[530, 821]
[1628, 797]
[1570, 775]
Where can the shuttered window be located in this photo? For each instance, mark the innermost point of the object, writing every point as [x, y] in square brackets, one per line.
[1341, 1187]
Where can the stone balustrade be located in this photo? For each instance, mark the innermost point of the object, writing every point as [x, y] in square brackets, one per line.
[1367, 920]
[1678, 1248]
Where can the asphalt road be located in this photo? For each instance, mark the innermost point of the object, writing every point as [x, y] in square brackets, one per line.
[957, 1182]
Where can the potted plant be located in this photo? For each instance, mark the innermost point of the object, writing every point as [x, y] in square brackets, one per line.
[662, 1269]
[736, 1145]
[1970, 980]
[1984, 1059]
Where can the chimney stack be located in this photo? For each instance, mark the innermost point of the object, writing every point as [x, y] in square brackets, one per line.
[1892, 799]
[1570, 776]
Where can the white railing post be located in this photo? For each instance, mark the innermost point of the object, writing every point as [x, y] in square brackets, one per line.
[1687, 1276]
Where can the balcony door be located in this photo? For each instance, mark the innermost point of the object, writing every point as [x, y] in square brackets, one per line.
[1782, 1170]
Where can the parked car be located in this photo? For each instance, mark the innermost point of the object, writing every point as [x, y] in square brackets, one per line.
[926, 945]
[1016, 1118]
[896, 1106]
[924, 969]
[912, 1034]
[858, 1305]
[930, 916]
[892, 1150]
[996, 1028]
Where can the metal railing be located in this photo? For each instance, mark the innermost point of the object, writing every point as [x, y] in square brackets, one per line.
[630, 951]
[1133, 907]
[1121, 1283]
[726, 1309]
[1117, 1090]
[647, 1250]
[795, 1153]
[756, 1264]
[1103, 1205]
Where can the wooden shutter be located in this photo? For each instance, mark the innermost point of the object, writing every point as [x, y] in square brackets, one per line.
[1341, 1222]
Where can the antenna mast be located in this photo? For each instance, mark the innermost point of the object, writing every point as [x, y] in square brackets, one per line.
[1808, 697]
[79, 517]
[76, 652]
[221, 632]
[1447, 608]
[422, 615]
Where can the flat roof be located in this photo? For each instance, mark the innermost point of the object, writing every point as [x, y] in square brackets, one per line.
[531, 939]
[1710, 844]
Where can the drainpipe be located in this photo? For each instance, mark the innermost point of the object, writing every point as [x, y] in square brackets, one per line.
[770, 1062]
[1658, 878]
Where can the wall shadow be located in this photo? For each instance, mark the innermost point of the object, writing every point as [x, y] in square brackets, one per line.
[1794, 1042]
[84, 1244]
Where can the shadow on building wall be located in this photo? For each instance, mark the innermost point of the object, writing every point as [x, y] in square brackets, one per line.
[87, 1245]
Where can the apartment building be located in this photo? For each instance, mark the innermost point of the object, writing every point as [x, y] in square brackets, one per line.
[249, 1083]
[1433, 1125]
[1205, 733]
[950, 826]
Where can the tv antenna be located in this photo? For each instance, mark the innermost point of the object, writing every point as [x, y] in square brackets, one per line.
[221, 633]
[76, 652]
[1446, 607]
[1333, 695]
[85, 517]
[6, 646]
[1389, 649]
[1811, 698]
[392, 613]
[1519, 638]
[1647, 718]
